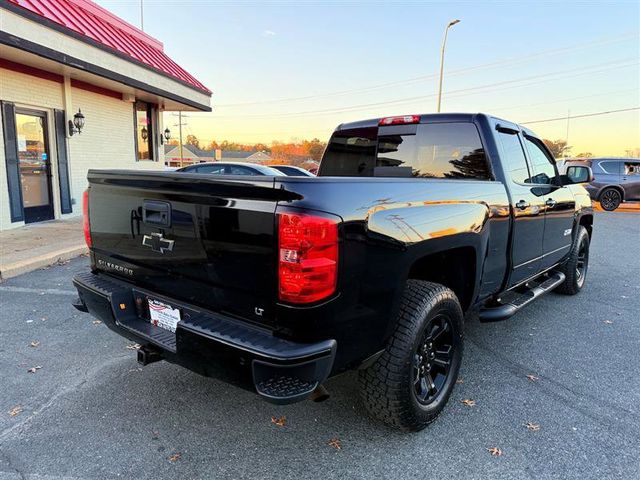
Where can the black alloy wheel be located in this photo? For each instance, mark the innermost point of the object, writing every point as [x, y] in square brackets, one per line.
[610, 199]
[582, 262]
[432, 359]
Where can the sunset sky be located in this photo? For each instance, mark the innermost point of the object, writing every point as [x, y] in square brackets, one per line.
[297, 69]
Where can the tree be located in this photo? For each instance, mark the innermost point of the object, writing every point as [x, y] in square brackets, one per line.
[193, 141]
[213, 145]
[173, 141]
[559, 148]
[314, 148]
[585, 155]
[632, 153]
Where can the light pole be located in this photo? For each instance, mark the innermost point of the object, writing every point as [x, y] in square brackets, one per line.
[444, 43]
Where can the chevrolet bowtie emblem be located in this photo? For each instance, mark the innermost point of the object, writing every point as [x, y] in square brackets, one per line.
[157, 243]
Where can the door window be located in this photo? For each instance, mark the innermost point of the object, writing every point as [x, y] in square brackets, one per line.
[631, 168]
[144, 130]
[514, 160]
[34, 165]
[544, 172]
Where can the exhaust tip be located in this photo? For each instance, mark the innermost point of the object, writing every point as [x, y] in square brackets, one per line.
[320, 394]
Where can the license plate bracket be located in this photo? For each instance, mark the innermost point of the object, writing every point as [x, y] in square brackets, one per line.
[163, 315]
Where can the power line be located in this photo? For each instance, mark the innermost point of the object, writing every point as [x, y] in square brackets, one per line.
[422, 78]
[568, 117]
[456, 93]
[562, 100]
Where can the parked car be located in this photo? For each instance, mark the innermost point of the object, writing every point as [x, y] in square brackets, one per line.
[292, 171]
[616, 180]
[279, 283]
[231, 168]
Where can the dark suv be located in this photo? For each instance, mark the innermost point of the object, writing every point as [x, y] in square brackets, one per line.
[615, 180]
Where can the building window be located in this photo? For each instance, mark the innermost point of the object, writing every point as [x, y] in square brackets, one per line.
[144, 131]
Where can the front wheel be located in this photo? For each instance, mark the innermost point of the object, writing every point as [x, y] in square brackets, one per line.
[409, 385]
[576, 266]
[610, 199]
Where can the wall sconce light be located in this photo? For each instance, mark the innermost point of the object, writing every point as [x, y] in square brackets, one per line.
[144, 133]
[77, 124]
[166, 136]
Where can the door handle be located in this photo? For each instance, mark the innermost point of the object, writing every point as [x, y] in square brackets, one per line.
[550, 203]
[522, 205]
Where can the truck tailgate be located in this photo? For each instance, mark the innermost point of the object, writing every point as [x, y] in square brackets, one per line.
[198, 238]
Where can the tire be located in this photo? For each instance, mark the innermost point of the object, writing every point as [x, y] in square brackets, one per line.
[610, 199]
[576, 267]
[395, 389]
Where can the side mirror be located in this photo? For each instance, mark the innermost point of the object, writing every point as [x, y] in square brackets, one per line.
[580, 174]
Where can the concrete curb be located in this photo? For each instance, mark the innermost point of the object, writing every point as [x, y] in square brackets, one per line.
[41, 261]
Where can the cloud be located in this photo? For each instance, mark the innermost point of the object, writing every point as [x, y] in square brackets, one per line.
[268, 33]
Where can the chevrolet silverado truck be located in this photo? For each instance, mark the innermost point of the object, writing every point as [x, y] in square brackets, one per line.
[277, 283]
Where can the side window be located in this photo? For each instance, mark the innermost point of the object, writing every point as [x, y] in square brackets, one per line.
[213, 169]
[236, 170]
[631, 168]
[611, 167]
[445, 150]
[513, 158]
[144, 113]
[544, 171]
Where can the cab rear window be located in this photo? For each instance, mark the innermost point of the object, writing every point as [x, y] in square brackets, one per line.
[441, 150]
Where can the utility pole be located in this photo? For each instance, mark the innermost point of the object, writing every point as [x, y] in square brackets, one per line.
[179, 125]
[566, 138]
[444, 44]
[141, 16]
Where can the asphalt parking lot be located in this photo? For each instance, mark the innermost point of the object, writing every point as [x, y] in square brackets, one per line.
[91, 412]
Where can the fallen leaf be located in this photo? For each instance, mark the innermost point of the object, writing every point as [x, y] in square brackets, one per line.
[34, 369]
[155, 435]
[495, 451]
[460, 381]
[608, 322]
[335, 443]
[279, 421]
[532, 377]
[35, 343]
[97, 322]
[467, 402]
[534, 427]
[175, 457]
[133, 346]
[15, 410]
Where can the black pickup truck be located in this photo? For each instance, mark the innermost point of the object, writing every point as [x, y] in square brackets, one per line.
[277, 283]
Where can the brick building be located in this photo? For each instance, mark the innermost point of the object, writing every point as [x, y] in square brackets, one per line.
[66, 64]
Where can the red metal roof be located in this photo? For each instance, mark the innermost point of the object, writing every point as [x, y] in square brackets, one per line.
[100, 25]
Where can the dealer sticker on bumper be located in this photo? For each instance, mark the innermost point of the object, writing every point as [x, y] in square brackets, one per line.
[163, 315]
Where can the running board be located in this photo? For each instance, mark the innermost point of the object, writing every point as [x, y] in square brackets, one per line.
[506, 310]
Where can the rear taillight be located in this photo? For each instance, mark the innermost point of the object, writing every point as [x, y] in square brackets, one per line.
[86, 226]
[401, 120]
[308, 257]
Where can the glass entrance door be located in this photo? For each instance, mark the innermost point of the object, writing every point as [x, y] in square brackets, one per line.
[35, 165]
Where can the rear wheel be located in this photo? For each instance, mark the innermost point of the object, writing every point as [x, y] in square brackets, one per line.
[575, 268]
[409, 385]
[610, 199]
